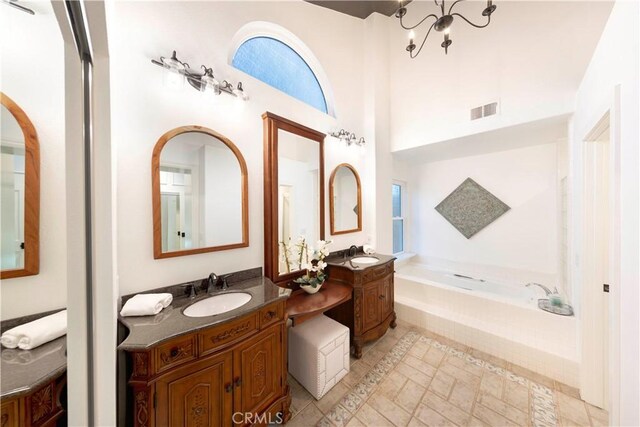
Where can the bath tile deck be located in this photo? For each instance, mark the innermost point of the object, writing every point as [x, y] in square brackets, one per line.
[413, 377]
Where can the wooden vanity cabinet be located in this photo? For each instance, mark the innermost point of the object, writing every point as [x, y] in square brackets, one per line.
[195, 395]
[204, 378]
[370, 313]
[41, 407]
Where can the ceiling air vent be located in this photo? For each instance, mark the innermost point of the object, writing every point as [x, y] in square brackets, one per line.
[476, 113]
[484, 111]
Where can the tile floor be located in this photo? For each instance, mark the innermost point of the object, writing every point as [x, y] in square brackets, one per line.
[412, 377]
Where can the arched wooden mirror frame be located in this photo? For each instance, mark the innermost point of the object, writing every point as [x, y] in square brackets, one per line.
[155, 192]
[335, 232]
[31, 193]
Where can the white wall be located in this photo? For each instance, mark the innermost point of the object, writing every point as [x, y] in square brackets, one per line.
[377, 83]
[142, 110]
[530, 58]
[521, 245]
[33, 76]
[615, 67]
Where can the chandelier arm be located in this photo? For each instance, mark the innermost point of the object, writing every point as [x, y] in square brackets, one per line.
[471, 23]
[423, 42]
[419, 23]
[453, 4]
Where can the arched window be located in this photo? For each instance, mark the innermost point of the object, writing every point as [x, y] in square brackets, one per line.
[275, 56]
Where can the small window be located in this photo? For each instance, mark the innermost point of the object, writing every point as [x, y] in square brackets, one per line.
[279, 66]
[397, 197]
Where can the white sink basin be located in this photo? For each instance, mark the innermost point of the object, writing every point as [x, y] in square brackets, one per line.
[217, 304]
[365, 260]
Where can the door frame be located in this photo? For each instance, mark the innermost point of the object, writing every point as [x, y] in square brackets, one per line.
[599, 369]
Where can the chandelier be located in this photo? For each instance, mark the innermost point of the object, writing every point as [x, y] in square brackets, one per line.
[441, 24]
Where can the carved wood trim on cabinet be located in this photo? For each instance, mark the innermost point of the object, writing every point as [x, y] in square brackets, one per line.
[257, 368]
[32, 193]
[41, 407]
[198, 394]
[175, 353]
[232, 332]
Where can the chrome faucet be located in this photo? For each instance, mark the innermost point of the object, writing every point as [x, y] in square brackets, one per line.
[212, 281]
[546, 290]
[190, 289]
[225, 285]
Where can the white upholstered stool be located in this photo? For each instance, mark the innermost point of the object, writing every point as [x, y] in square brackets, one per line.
[319, 354]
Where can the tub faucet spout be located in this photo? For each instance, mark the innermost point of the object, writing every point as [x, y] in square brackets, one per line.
[546, 290]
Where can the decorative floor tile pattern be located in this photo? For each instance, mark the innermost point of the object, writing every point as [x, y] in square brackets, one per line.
[414, 377]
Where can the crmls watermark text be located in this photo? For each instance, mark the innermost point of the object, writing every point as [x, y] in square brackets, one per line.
[250, 418]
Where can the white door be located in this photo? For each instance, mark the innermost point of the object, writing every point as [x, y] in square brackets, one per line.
[597, 271]
[171, 222]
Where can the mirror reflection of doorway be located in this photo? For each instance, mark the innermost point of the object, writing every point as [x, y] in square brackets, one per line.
[12, 205]
[284, 228]
[172, 221]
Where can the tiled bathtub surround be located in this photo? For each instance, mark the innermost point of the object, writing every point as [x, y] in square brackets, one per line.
[412, 377]
[497, 273]
[516, 331]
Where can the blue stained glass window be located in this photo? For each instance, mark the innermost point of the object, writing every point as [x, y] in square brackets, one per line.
[278, 65]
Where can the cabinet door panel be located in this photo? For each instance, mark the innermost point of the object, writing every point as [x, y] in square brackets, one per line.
[10, 414]
[386, 303]
[258, 372]
[370, 306]
[197, 395]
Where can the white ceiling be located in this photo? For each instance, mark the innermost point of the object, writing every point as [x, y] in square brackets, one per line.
[540, 132]
[531, 59]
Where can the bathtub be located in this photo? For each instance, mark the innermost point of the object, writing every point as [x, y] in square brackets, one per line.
[501, 319]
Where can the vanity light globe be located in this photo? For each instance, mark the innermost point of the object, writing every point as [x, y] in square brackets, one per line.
[173, 80]
[210, 83]
[174, 75]
[239, 92]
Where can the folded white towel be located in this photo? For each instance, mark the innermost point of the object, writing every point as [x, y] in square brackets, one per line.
[9, 340]
[146, 304]
[40, 331]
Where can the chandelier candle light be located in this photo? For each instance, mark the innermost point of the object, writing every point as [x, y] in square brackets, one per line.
[441, 24]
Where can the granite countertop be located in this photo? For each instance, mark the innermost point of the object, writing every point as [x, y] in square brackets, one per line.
[25, 370]
[148, 331]
[338, 260]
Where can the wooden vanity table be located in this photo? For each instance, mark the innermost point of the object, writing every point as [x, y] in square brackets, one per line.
[360, 298]
[302, 306]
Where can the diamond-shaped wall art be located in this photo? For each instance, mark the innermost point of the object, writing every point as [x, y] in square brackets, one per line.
[470, 208]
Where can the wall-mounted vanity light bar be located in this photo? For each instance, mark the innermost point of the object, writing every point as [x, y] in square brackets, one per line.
[348, 137]
[14, 3]
[178, 71]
